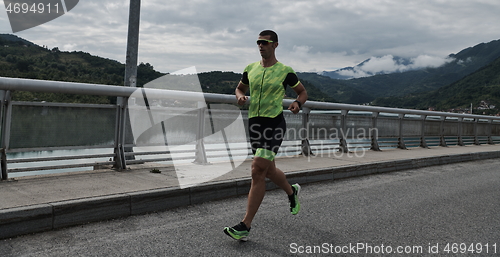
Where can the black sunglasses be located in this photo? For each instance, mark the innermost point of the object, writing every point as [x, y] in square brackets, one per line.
[264, 42]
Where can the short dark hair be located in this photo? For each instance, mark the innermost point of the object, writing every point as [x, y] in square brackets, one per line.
[274, 36]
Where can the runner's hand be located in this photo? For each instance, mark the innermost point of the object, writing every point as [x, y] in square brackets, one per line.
[242, 100]
[294, 107]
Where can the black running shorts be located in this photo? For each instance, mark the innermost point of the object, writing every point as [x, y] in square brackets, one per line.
[266, 135]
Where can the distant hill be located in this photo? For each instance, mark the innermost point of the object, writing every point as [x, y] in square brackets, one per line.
[9, 38]
[225, 83]
[463, 63]
[481, 89]
[469, 78]
[20, 58]
[337, 89]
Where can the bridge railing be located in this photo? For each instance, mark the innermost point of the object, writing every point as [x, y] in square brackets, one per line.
[75, 136]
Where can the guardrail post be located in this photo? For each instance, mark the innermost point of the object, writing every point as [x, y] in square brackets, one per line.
[121, 108]
[490, 128]
[3, 160]
[343, 136]
[401, 141]
[460, 128]
[476, 139]
[6, 115]
[442, 140]
[423, 143]
[305, 146]
[374, 136]
[200, 154]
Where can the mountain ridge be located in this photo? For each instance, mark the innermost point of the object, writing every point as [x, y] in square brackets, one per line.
[399, 84]
[20, 58]
[481, 89]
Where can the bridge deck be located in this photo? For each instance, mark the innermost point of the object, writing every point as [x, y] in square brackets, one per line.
[41, 203]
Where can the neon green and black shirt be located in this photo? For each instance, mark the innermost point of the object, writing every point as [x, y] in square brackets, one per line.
[267, 88]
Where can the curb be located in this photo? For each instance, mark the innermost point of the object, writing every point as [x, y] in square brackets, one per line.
[44, 217]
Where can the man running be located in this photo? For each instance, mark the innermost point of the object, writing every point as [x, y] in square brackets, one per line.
[267, 80]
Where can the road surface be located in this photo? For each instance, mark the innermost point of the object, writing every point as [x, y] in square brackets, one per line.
[451, 210]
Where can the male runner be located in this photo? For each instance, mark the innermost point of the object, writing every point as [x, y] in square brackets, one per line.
[267, 81]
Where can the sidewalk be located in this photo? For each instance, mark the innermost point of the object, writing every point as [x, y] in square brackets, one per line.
[41, 203]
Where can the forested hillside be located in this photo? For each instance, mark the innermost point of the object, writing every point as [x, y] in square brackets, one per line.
[481, 89]
[225, 83]
[337, 89]
[22, 59]
[460, 65]
[441, 88]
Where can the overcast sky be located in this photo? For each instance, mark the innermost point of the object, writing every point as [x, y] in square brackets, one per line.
[220, 35]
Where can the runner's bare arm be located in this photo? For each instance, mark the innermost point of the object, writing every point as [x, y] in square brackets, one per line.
[240, 92]
[302, 98]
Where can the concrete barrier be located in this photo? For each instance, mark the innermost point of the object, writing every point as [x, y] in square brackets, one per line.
[74, 212]
[158, 200]
[25, 220]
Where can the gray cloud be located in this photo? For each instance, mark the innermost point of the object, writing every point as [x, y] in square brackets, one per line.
[314, 35]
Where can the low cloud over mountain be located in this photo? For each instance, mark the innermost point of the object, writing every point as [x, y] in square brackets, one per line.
[388, 64]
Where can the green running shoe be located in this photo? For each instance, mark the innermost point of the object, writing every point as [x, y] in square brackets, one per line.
[238, 232]
[294, 199]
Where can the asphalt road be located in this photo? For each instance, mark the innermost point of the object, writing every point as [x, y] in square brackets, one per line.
[451, 210]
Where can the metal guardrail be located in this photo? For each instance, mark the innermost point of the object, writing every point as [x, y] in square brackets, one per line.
[386, 127]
